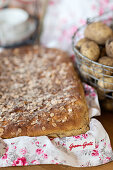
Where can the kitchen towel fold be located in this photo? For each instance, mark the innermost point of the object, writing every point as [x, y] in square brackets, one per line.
[90, 149]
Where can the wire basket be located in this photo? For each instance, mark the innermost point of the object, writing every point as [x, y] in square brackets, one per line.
[90, 71]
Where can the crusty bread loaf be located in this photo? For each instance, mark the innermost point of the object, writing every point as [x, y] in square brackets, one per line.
[40, 94]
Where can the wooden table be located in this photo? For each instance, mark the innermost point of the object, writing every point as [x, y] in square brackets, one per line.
[107, 121]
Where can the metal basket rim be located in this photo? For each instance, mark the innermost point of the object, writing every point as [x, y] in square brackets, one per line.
[84, 57]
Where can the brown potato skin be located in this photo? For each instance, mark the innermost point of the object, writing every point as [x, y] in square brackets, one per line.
[100, 94]
[101, 35]
[108, 62]
[106, 84]
[105, 60]
[80, 42]
[85, 71]
[108, 104]
[98, 32]
[99, 71]
[96, 71]
[109, 47]
[91, 50]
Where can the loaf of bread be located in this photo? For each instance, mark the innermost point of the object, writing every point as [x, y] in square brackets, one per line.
[40, 94]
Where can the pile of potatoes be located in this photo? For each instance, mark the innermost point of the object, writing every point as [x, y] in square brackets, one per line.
[97, 45]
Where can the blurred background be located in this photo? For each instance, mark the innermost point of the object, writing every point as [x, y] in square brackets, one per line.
[62, 18]
[50, 23]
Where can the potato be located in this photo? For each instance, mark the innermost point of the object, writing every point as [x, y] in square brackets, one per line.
[85, 71]
[107, 83]
[98, 32]
[108, 62]
[96, 71]
[109, 47]
[99, 71]
[80, 42]
[91, 50]
[101, 95]
[108, 104]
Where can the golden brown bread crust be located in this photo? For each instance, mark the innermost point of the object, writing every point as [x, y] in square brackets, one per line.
[40, 94]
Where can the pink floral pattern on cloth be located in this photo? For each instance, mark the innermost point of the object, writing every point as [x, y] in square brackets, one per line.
[89, 149]
[93, 148]
[63, 17]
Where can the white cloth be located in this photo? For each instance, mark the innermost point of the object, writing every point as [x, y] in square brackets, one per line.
[89, 149]
[63, 17]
